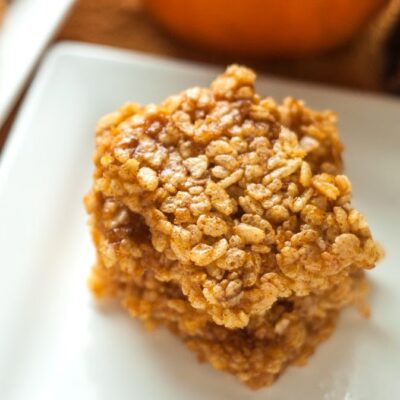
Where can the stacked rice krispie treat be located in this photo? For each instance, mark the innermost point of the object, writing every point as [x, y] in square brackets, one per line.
[226, 217]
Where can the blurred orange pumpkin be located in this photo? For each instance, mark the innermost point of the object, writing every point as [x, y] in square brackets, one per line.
[265, 27]
[2, 9]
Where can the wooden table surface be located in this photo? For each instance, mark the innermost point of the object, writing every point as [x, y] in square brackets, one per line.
[126, 24]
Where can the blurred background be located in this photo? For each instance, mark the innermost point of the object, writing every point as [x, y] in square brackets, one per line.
[346, 43]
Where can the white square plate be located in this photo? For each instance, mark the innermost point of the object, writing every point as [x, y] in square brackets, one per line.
[55, 343]
[26, 29]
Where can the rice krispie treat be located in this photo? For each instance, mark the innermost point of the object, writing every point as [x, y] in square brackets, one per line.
[227, 218]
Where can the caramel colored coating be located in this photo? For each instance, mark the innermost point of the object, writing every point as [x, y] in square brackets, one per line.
[287, 334]
[227, 218]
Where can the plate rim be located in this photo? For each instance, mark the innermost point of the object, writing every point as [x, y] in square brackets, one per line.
[19, 80]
